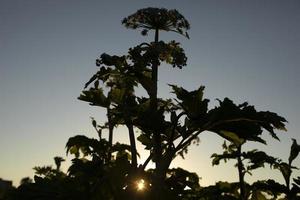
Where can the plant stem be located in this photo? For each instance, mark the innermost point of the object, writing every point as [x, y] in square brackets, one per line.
[132, 144]
[110, 132]
[240, 166]
[153, 103]
[158, 181]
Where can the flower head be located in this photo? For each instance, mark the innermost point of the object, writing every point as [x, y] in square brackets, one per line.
[157, 19]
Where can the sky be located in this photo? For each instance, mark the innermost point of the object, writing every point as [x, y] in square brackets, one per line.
[244, 50]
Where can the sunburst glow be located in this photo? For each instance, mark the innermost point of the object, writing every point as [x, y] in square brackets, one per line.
[140, 185]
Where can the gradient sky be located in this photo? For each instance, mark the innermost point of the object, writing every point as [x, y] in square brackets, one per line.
[244, 50]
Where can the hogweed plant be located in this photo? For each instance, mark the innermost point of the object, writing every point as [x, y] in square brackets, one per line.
[105, 169]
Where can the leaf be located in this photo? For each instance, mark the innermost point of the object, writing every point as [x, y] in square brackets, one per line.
[179, 91]
[285, 170]
[257, 195]
[270, 187]
[145, 140]
[259, 158]
[74, 150]
[216, 159]
[295, 149]
[117, 95]
[179, 180]
[225, 156]
[84, 144]
[146, 82]
[297, 180]
[94, 123]
[149, 120]
[120, 147]
[173, 117]
[243, 120]
[95, 97]
[192, 102]
[232, 137]
[96, 84]
[93, 78]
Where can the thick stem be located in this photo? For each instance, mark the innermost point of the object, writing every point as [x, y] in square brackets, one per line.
[154, 75]
[167, 159]
[147, 161]
[158, 181]
[155, 68]
[153, 103]
[240, 166]
[287, 182]
[110, 132]
[132, 145]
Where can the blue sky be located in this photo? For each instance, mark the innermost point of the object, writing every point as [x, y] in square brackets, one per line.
[244, 50]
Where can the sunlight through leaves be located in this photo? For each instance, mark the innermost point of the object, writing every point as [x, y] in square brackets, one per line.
[140, 185]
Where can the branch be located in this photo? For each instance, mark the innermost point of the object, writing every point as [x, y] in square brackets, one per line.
[132, 144]
[184, 142]
[147, 161]
[174, 128]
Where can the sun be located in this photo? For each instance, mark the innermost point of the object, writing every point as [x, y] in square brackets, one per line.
[140, 185]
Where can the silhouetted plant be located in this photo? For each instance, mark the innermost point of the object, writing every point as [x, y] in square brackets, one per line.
[103, 169]
[236, 123]
[257, 159]
[26, 180]
[58, 160]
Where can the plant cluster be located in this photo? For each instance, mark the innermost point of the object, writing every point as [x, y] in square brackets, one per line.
[104, 169]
